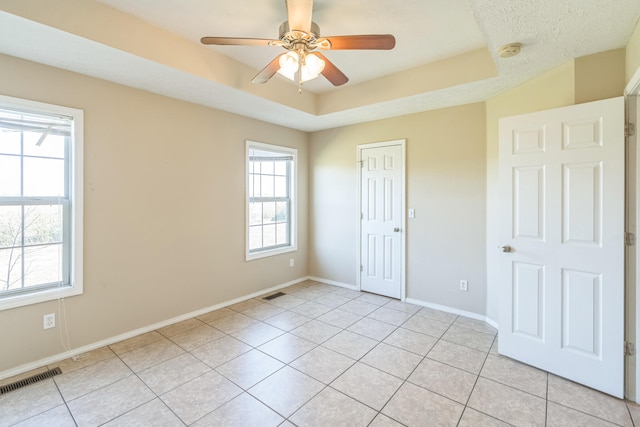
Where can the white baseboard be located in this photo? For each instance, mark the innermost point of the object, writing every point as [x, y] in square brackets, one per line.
[491, 322]
[84, 349]
[453, 310]
[334, 283]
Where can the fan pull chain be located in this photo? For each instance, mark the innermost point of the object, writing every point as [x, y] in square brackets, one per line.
[300, 64]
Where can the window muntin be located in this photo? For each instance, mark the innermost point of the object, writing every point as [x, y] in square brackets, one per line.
[270, 199]
[40, 203]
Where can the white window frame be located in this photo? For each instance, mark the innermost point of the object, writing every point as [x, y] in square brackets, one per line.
[293, 223]
[75, 243]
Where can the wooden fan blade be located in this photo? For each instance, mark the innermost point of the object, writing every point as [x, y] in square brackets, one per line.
[331, 72]
[299, 14]
[269, 71]
[235, 41]
[369, 41]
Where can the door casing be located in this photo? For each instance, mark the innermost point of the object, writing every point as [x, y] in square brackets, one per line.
[632, 256]
[403, 210]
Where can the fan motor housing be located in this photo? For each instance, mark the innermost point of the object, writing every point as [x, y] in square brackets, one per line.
[285, 29]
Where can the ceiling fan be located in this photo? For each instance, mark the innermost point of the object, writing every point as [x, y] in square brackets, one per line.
[300, 36]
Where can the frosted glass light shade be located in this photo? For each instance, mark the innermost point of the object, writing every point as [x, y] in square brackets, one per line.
[289, 65]
[311, 68]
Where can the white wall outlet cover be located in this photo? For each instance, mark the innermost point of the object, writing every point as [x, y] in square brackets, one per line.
[49, 321]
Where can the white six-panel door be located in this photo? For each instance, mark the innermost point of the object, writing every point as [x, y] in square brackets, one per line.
[381, 247]
[562, 231]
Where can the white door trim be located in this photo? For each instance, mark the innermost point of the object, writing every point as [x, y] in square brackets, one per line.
[402, 144]
[632, 258]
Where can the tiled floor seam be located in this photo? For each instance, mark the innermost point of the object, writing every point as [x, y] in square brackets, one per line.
[301, 406]
[477, 378]
[404, 380]
[466, 404]
[633, 422]
[378, 412]
[64, 402]
[591, 415]
[274, 410]
[157, 396]
[146, 385]
[546, 402]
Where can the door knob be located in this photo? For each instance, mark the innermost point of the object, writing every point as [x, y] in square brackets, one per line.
[396, 230]
[507, 248]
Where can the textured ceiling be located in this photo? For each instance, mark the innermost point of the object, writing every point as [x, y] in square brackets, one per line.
[153, 45]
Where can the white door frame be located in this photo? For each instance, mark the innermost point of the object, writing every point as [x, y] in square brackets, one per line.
[632, 258]
[403, 210]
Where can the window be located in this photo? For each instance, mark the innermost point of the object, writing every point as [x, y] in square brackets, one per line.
[271, 208]
[40, 202]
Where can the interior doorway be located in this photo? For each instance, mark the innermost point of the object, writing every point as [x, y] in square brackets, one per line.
[381, 189]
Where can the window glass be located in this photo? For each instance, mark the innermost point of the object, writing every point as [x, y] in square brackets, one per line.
[43, 177]
[40, 218]
[270, 201]
[10, 171]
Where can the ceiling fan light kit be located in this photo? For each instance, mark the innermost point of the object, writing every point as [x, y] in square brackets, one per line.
[308, 65]
[300, 36]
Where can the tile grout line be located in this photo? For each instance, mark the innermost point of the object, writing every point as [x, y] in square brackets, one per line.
[64, 402]
[466, 405]
[633, 423]
[546, 402]
[147, 386]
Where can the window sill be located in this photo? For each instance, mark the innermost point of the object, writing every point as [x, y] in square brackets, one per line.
[38, 297]
[273, 252]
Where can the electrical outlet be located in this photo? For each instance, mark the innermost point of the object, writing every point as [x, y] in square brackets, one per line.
[49, 321]
[291, 262]
[464, 285]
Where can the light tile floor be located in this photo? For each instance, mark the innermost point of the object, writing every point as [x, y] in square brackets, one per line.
[319, 356]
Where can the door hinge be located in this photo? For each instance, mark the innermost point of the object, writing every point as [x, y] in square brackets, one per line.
[629, 348]
[361, 163]
[629, 239]
[361, 269]
[629, 129]
[361, 215]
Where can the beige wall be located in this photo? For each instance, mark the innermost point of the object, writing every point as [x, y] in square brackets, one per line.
[633, 54]
[445, 185]
[163, 208]
[600, 76]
